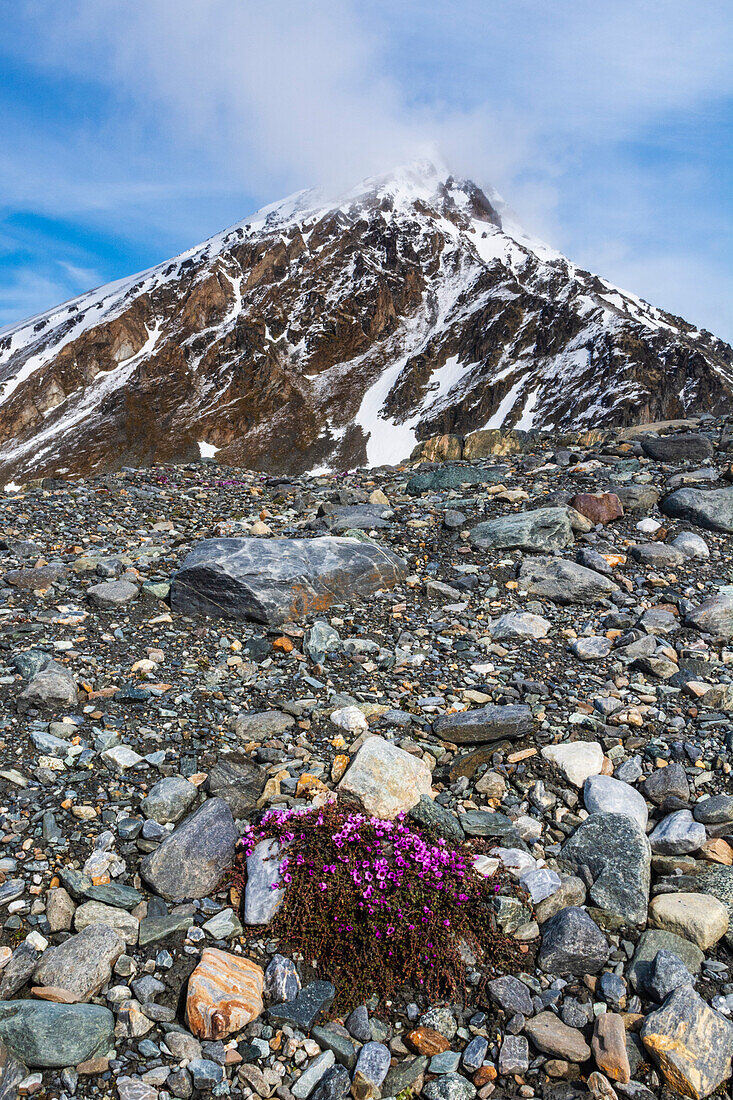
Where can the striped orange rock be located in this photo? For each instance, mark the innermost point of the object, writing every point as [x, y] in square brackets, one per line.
[224, 994]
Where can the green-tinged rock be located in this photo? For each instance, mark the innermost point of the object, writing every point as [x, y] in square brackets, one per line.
[44, 1034]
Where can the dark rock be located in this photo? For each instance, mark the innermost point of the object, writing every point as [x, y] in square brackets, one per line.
[708, 508]
[511, 995]
[572, 943]
[431, 815]
[452, 477]
[666, 973]
[616, 850]
[191, 860]
[687, 447]
[12, 1072]
[271, 581]
[491, 723]
[237, 780]
[22, 963]
[667, 782]
[334, 1084]
[307, 1006]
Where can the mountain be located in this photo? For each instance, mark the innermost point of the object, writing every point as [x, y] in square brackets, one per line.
[330, 334]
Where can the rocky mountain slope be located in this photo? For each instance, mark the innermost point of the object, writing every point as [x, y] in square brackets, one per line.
[322, 334]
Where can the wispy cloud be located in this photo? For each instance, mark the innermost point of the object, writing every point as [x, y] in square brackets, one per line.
[577, 111]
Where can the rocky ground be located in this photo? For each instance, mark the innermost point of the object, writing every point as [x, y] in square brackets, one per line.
[536, 648]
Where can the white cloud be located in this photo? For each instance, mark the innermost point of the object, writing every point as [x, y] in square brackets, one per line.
[204, 96]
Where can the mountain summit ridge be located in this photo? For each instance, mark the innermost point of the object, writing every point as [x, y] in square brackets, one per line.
[330, 332]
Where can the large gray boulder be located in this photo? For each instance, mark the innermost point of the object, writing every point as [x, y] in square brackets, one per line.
[708, 508]
[53, 688]
[452, 477]
[686, 447]
[55, 1035]
[564, 581]
[491, 723]
[82, 964]
[272, 581]
[538, 531]
[191, 861]
[615, 848]
[714, 616]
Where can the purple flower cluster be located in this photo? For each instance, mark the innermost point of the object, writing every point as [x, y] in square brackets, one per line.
[378, 856]
[376, 902]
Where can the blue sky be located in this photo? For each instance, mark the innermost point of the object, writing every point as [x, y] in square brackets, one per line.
[132, 129]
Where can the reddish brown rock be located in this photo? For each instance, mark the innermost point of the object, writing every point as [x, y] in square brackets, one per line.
[598, 507]
[609, 1047]
[224, 994]
[55, 993]
[425, 1040]
[483, 1075]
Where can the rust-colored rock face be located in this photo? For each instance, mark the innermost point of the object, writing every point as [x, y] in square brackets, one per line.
[336, 334]
[598, 507]
[224, 994]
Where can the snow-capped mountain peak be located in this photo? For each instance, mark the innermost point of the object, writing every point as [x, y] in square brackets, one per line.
[334, 330]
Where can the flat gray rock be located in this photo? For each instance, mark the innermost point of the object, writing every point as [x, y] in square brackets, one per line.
[491, 723]
[53, 688]
[686, 447]
[257, 724]
[83, 963]
[54, 1035]
[713, 616]
[191, 860]
[539, 531]
[564, 581]
[708, 508]
[518, 625]
[111, 594]
[451, 476]
[615, 848]
[275, 580]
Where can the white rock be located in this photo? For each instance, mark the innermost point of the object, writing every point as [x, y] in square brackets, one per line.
[121, 757]
[386, 779]
[519, 624]
[605, 795]
[691, 545]
[576, 759]
[486, 865]
[515, 860]
[350, 719]
[648, 526]
[540, 883]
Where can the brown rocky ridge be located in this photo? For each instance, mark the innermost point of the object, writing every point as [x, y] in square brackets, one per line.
[333, 334]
